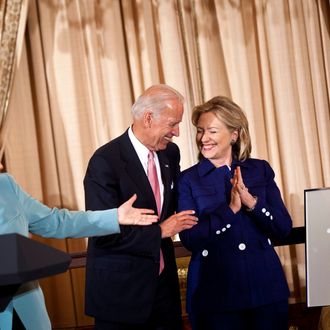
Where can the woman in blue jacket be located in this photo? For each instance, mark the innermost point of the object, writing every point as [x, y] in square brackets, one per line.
[20, 213]
[235, 278]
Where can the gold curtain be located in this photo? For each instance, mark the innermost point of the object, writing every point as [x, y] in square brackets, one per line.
[84, 62]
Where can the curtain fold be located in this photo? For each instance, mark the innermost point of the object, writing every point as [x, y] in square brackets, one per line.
[85, 62]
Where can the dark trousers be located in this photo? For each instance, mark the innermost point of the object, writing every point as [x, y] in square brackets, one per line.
[165, 315]
[268, 317]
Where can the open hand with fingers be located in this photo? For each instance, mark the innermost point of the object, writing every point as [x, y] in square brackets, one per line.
[129, 215]
[178, 222]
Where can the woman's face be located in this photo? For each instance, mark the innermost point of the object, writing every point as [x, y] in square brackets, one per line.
[214, 139]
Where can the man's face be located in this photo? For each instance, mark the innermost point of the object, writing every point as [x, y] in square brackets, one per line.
[165, 126]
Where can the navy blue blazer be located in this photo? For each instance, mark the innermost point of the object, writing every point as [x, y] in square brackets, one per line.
[122, 270]
[233, 265]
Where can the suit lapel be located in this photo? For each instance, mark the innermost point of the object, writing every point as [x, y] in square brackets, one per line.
[135, 171]
[166, 177]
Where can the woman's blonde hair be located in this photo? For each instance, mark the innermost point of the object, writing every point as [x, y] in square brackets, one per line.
[233, 117]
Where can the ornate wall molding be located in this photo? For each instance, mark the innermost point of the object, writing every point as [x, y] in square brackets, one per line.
[13, 16]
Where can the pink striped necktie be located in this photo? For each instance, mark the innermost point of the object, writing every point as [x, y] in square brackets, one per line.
[153, 179]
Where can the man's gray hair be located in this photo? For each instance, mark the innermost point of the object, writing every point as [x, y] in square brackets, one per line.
[155, 99]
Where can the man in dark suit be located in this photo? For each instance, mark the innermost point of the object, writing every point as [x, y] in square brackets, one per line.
[126, 289]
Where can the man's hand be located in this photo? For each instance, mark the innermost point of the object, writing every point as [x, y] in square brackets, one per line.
[178, 222]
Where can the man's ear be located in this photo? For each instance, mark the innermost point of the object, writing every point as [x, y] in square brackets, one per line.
[147, 119]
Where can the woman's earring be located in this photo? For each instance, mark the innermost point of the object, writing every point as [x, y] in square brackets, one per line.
[232, 142]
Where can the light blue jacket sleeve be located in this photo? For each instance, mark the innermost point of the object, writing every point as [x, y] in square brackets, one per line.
[62, 223]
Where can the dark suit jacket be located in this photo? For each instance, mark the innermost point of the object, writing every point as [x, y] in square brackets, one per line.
[234, 265]
[122, 270]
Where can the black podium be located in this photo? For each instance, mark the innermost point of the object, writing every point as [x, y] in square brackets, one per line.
[22, 260]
